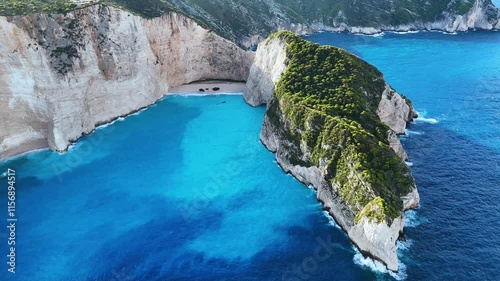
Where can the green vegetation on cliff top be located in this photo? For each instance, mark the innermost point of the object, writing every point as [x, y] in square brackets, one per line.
[144, 8]
[22, 7]
[239, 19]
[327, 101]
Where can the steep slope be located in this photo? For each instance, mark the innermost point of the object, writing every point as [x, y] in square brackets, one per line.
[61, 75]
[324, 122]
[248, 22]
[331, 118]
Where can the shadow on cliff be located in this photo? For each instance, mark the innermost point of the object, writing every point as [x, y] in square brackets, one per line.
[255, 93]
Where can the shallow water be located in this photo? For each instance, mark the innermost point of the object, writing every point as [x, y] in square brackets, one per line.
[181, 191]
[185, 191]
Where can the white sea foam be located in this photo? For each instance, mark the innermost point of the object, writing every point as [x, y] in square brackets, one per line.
[410, 132]
[405, 32]
[403, 246]
[409, 164]
[331, 221]
[116, 120]
[27, 154]
[71, 147]
[380, 34]
[412, 219]
[140, 111]
[443, 32]
[155, 104]
[427, 120]
[378, 267]
[422, 118]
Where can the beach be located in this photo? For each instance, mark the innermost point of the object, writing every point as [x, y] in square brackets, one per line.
[209, 87]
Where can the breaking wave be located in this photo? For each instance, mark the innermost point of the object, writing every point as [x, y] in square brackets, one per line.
[427, 120]
[331, 221]
[410, 132]
[412, 219]
[421, 118]
[378, 267]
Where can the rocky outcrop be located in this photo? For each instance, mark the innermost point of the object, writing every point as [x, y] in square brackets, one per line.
[481, 15]
[62, 75]
[395, 111]
[317, 147]
[266, 71]
[248, 23]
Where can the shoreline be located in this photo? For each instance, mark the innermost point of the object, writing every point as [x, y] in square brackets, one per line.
[382, 32]
[191, 89]
[211, 87]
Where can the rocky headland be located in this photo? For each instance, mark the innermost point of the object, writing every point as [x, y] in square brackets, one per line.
[248, 22]
[332, 122]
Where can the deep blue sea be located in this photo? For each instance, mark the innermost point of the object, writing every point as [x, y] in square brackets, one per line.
[185, 191]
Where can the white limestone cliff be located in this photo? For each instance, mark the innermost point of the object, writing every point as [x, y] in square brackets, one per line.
[265, 72]
[377, 240]
[478, 17]
[62, 75]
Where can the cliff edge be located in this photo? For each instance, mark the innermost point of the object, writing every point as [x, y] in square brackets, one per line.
[332, 122]
[248, 23]
[61, 75]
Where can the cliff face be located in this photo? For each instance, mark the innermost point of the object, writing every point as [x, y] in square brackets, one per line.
[266, 71]
[457, 16]
[332, 138]
[248, 22]
[62, 75]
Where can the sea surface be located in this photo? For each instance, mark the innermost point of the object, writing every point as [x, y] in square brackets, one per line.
[185, 191]
[454, 147]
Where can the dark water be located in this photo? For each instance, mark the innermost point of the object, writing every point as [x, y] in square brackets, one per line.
[181, 191]
[185, 191]
[454, 81]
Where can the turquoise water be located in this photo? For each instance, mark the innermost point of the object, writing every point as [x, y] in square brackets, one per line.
[185, 191]
[454, 82]
[181, 191]
[452, 78]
